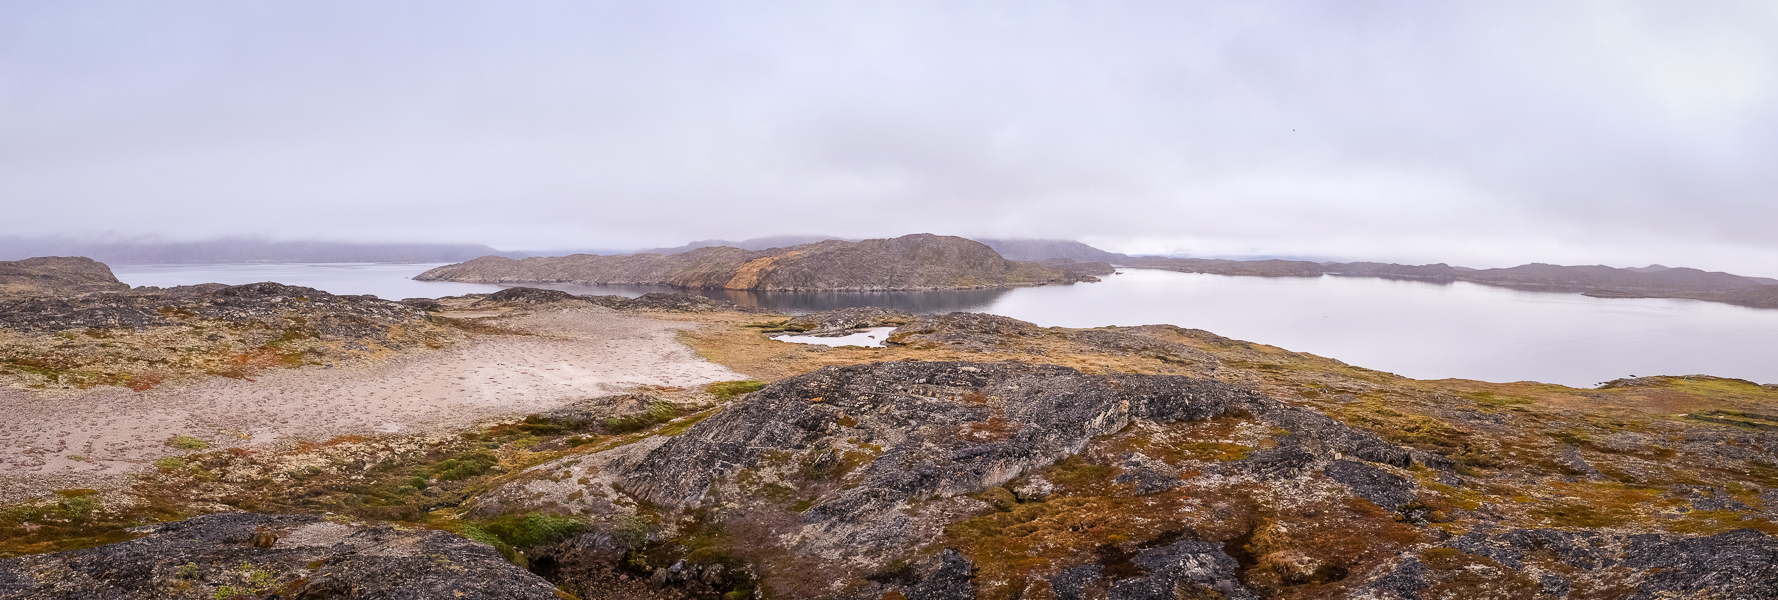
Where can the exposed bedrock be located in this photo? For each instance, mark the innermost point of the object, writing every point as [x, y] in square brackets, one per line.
[861, 445]
[298, 557]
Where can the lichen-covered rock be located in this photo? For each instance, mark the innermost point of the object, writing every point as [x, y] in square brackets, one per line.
[877, 460]
[522, 296]
[1185, 569]
[973, 331]
[268, 303]
[1382, 488]
[846, 319]
[298, 557]
[1146, 476]
[1741, 564]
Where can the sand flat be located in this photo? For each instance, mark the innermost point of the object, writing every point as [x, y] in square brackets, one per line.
[578, 353]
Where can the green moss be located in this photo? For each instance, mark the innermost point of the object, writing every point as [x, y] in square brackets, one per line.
[727, 390]
[186, 442]
[681, 426]
[1076, 473]
[657, 413]
[533, 529]
[464, 466]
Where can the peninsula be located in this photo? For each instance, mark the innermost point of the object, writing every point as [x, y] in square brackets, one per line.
[910, 262]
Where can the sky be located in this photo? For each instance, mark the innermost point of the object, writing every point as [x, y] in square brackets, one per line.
[1485, 134]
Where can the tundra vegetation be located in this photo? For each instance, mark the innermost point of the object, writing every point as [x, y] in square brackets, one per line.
[980, 456]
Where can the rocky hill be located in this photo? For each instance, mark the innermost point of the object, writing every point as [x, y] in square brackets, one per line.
[1599, 281]
[146, 336]
[56, 275]
[913, 262]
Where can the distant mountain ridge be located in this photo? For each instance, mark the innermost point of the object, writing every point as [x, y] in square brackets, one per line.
[1654, 281]
[759, 243]
[240, 250]
[911, 262]
[1041, 250]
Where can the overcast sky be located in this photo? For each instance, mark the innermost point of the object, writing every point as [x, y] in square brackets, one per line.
[1483, 133]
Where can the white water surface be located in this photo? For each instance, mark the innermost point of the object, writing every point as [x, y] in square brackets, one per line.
[868, 338]
[1417, 329]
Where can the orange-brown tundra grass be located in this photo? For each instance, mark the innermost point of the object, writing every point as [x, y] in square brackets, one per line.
[1507, 436]
[1510, 435]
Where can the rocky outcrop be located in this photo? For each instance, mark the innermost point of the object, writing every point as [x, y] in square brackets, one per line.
[1553, 563]
[1007, 479]
[296, 557]
[980, 332]
[860, 446]
[57, 276]
[913, 262]
[846, 319]
[526, 297]
[268, 303]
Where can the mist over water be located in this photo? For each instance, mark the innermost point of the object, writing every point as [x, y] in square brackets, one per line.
[1420, 330]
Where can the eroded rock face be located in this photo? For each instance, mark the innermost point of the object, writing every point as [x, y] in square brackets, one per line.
[298, 557]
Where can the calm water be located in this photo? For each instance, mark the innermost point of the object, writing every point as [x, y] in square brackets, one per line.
[1421, 330]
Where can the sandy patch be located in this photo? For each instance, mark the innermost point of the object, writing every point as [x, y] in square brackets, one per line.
[581, 353]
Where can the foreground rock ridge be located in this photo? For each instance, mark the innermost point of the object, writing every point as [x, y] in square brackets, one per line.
[912, 262]
[238, 555]
[964, 480]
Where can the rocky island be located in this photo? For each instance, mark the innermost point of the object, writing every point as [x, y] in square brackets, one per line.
[911, 262]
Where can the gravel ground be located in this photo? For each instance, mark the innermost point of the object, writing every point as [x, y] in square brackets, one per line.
[59, 440]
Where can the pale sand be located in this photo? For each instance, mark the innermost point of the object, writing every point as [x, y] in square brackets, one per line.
[583, 353]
